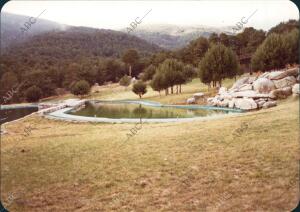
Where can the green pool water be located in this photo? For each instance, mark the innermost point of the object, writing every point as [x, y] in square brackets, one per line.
[135, 110]
[7, 115]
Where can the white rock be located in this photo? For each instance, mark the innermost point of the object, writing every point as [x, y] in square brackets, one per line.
[263, 85]
[296, 89]
[198, 95]
[245, 104]
[225, 96]
[285, 82]
[251, 79]
[287, 90]
[214, 102]
[290, 72]
[264, 75]
[239, 83]
[231, 90]
[209, 99]
[281, 93]
[191, 100]
[222, 90]
[271, 75]
[231, 103]
[224, 103]
[244, 94]
[218, 97]
[269, 104]
[261, 103]
[245, 87]
[249, 94]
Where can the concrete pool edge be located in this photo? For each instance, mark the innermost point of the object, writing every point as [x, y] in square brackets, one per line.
[62, 114]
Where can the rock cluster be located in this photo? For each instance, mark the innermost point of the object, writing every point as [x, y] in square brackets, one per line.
[195, 98]
[256, 92]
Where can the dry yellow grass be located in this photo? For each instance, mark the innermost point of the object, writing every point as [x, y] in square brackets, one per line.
[245, 163]
[117, 92]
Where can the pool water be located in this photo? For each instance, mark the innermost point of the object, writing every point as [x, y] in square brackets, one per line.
[7, 115]
[135, 110]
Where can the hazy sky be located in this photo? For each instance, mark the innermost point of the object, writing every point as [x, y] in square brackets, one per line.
[119, 14]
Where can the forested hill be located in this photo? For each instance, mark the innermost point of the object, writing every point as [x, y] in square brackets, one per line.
[55, 59]
[175, 37]
[82, 41]
[12, 26]
[64, 40]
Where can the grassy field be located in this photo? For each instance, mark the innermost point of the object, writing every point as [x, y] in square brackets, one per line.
[244, 163]
[115, 91]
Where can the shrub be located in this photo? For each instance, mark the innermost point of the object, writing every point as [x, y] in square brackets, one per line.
[125, 81]
[139, 88]
[33, 94]
[80, 88]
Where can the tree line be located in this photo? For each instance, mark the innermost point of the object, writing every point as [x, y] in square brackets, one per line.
[215, 58]
[54, 63]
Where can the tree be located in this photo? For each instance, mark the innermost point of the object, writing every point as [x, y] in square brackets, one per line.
[71, 74]
[271, 54]
[157, 83]
[40, 79]
[160, 57]
[148, 73]
[10, 88]
[170, 73]
[170, 70]
[218, 63]
[80, 88]
[113, 69]
[193, 53]
[250, 39]
[8, 81]
[184, 75]
[139, 88]
[291, 41]
[130, 57]
[284, 27]
[33, 94]
[125, 81]
[213, 38]
[204, 73]
[189, 72]
[224, 39]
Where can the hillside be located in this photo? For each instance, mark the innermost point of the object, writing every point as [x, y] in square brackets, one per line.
[56, 59]
[85, 41]
[174, 37]
[66, 40]
[11, 25]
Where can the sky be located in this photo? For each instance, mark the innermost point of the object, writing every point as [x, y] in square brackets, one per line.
[119, 14]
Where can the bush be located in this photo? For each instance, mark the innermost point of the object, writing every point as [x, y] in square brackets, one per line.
[33, 94]
[125, 81]
[139, 88]
[80, 88]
